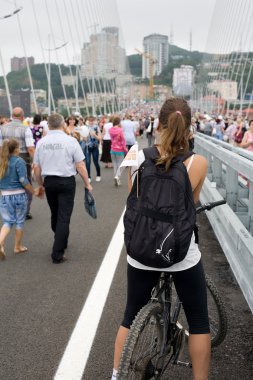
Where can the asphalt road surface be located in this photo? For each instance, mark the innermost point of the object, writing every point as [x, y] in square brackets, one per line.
[40, 302]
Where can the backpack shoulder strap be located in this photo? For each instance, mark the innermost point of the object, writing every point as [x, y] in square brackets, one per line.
[151, 153]
[184, 157]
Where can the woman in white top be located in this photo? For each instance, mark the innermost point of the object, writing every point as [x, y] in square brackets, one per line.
[188, 275]
[106, 146]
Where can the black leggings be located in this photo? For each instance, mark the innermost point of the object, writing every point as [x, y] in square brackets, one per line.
[191, 289]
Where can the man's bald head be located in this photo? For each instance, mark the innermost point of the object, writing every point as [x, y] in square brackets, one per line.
[18, 113]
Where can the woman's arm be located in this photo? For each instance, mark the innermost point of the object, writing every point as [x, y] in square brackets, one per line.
[197, 175]
[22, 175]
[97, 135]
[245, 143]
[123, 141]
[129, 180]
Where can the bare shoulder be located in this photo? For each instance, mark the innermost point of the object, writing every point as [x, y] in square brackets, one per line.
[200, 160]
[197, 173]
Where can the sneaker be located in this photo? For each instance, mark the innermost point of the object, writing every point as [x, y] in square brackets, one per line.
[118, 182]
[28, 216]
[89, 180]
[116, 179]
[62, 260]
[98, 179]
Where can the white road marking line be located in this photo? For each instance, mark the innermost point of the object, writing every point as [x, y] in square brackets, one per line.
[77, 352]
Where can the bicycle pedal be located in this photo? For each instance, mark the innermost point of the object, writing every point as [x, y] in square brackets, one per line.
[183, 364]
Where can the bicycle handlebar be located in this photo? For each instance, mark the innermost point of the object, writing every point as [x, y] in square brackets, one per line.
[208, 206]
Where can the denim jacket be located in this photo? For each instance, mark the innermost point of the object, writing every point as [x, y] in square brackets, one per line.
[16, 175]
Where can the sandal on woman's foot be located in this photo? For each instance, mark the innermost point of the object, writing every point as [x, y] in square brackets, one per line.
[2, 253]
[20, 250]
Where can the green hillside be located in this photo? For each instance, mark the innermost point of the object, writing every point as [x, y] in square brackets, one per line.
[19, 79]
[177, 57]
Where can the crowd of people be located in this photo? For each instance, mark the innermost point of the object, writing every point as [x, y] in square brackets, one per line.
[237, 131]
[51, 151]
[105, 139]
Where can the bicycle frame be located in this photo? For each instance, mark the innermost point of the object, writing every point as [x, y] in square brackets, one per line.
[163, 294]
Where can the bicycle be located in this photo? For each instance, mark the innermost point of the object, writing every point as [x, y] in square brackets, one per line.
[157, 336]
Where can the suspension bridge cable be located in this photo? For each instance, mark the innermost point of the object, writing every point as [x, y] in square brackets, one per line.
[6, 84]
[26, 60]
[75, 88]
[91, 58]
[74, 46]
[57, 57]
[43, 54]
[78, 72]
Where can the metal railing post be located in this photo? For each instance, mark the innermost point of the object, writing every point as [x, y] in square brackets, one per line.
[217, 171]
[250, 209]
[231, 187]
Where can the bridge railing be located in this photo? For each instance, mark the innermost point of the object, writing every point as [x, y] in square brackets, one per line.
[230, 176]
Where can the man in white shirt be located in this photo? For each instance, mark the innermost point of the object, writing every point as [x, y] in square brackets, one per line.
[57, 159]
[44, 124]
[129, 131]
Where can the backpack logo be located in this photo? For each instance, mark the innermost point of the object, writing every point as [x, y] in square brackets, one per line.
[159, 251]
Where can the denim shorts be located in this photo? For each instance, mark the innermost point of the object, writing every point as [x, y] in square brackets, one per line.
[13, 209]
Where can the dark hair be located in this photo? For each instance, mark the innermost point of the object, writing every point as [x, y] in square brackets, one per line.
[36, 119]
[72, 118]
[251, 121]
[174, 123]
[116, 121]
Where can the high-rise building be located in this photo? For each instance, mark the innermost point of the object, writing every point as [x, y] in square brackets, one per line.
[183, 80]
[19, 98]
[22, 98]
[20, 63]
[157, 47]
[102, 56]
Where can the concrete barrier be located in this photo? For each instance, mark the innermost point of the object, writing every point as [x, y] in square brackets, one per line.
[225, 168]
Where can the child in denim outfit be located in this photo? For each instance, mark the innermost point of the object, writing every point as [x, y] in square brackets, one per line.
[13, 201]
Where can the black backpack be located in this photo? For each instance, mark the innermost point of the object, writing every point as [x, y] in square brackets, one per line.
[160, 213]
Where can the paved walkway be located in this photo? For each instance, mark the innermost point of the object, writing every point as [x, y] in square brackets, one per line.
[41, 302]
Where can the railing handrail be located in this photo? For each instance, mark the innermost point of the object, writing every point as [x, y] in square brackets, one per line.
[240, 151]
[229, 157]
[233, 222]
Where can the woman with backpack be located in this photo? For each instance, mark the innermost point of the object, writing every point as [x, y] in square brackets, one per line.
[170, 158]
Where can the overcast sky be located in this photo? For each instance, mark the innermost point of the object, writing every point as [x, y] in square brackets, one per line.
[73, 20]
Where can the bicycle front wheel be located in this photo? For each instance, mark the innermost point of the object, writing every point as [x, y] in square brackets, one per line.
[142, 346]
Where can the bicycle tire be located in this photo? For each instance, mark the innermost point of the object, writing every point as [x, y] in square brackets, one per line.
[133, 363]
[217, 314]
[218, 328]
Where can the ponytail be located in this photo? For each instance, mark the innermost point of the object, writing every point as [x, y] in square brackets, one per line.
[174, 123]
[8, 148]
